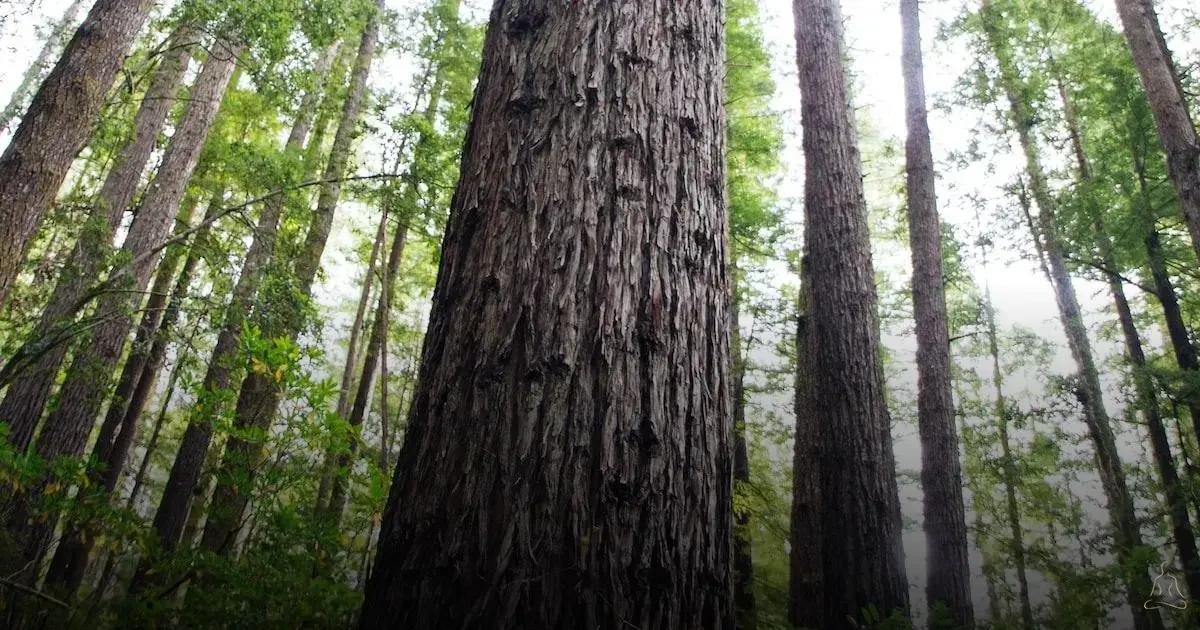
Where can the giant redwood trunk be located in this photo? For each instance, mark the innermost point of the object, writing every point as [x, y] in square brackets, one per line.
[1168, 102]
[87, 382]
[171, 516]
[862, 560]
[58, 123]
[1126, 534]
[567, 462]
[948, 572]
[50, 340]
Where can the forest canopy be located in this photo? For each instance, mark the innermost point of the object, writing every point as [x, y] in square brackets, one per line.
[523, 314]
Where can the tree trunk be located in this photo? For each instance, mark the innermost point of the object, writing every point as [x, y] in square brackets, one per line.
[376, 349]
[1164, 289]
[377, 341]
[54, 40]
[1176, 130]
[1127, 536]
[58, 123]
[1009, 471]
[227, 501]
[806, 584]
[1147, 395]
[743, 549]
[568, 462]
[87, 381]
[862, 565]
[50, 340]
[948, 570]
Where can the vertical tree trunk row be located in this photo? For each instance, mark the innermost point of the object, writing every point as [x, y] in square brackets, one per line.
[228, 503]
[1127, 536]
[58, 123]
[53, 336]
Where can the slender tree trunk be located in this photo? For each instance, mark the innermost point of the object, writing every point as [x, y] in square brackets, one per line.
[568, 445]
[862, 565]
[376, 349]
[1127, 536]
[58, 123]
[947, 566]
[1176, 129]
[258, 394]
[54, 40]
[50, 340]
[1164, 289]
[1010, 475]
[87, 382]
[1148, 404]
[806, 599]
[347, 389]
[743, 549]
[345, 395]
[377, 341]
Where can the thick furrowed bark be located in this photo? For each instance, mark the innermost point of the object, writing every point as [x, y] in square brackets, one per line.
[568, 455]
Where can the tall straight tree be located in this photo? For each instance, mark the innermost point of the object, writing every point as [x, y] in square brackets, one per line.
[1127, 535]
[86, 384]
[862, 560]
[1168, 102]
[54, 40]
[1144, 387]
[568, 443]
[58, 122]
[171, 515]
[38, 361]
[947, 569]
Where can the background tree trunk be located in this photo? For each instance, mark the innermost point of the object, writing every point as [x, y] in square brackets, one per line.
[58, 122]
[172, 511]
[948, 572]
[567, 462]
[1127, 536]
[50, 340]
[86, 384]
[1176, 129]
[861, 566]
